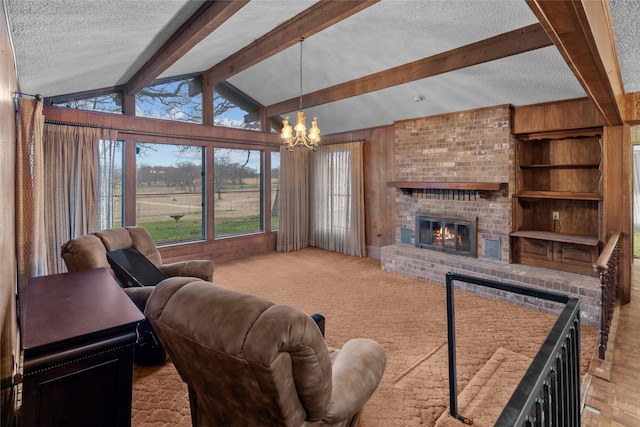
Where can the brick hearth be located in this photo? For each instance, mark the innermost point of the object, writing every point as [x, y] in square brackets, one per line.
[433, 267]
[470, 146]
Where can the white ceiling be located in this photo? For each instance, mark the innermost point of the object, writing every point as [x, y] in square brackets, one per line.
[69, 46]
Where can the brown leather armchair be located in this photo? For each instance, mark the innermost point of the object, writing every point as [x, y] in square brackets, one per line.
[249, 362]
[90, 251]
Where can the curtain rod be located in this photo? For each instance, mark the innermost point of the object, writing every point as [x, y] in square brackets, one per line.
[37, 96]
[83, 125]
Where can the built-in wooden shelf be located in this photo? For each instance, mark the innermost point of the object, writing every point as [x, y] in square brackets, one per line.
[557, 237]
[483, 189]
[562, 166]
[564, 195]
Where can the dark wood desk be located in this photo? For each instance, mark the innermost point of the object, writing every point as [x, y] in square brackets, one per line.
[78, 339]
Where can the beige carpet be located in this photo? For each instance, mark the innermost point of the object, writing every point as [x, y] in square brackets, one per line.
[489, 390]
[406, 316]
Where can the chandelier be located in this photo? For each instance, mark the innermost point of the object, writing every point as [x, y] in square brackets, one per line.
[300, 137]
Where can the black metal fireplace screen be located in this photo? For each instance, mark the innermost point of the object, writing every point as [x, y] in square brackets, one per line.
[446, 233]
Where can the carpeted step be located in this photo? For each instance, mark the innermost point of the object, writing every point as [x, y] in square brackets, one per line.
[488, 392]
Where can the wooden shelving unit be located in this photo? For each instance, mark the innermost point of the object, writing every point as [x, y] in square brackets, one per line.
[558, 200]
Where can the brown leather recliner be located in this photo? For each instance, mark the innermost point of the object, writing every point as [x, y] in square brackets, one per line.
[90, 251]
[248, 362]
[86, 252]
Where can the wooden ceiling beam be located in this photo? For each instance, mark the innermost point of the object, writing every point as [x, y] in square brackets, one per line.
[307, 23]
[632, 108]
[583, 33]
[203, 22]
[501, 46]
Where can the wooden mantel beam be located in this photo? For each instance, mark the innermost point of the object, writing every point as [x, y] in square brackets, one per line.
[207, 18]
[308, 22]
[501, 46]
[582, 32]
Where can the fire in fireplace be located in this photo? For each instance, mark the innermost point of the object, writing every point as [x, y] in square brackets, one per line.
[446, 233]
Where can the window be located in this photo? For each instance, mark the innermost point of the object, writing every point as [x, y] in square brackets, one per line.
[110, 184]
[107, 103]
[238, 191]
[169, 191]
[337, 199]
[275, 124]
[172, 100]
[233, 109]
[275, 188]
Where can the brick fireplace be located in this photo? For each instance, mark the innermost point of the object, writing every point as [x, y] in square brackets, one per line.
[463, 148]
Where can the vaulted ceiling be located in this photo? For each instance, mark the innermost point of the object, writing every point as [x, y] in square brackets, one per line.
[365, 63]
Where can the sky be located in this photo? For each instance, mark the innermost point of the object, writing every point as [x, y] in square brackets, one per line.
[169, 155]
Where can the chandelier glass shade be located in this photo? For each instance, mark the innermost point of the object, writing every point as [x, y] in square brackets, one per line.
[294, 136]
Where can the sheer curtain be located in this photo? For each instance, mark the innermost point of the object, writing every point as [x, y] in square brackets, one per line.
[31, 239]
[337, 199]
[71, 185]
[293, 209]
[107, 154]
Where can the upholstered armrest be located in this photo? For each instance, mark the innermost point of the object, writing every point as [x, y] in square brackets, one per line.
[84, 253]
[200, 268]
[356, 373]
[139, 295]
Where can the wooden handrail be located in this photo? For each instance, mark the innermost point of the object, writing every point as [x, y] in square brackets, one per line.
[603, 260]
[607, 266]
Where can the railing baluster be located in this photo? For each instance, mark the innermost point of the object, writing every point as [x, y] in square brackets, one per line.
[546, 401]
[608, 269]
[553, 377]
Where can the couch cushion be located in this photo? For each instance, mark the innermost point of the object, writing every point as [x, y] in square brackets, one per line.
[115, 238]
[142, 241]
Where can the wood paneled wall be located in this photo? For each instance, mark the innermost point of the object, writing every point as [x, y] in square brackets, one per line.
[553, 116]
[618, 197]
[9, 344]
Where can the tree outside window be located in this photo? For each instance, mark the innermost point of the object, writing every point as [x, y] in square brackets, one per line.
[169, 192]
[238, 191]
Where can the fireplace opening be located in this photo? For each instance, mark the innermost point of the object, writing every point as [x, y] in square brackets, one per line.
[446, 233]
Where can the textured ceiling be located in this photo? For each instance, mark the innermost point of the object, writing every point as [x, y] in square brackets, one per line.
[69, 46]
[625, 17]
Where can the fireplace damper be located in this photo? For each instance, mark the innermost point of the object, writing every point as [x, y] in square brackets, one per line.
[446, 233]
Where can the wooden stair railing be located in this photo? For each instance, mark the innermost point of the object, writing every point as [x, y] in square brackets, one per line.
[607, 267]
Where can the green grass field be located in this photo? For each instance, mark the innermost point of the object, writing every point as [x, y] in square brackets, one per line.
[636, 245]
[192, 229]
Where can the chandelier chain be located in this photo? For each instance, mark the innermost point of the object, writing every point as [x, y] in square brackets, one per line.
[301, 40]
